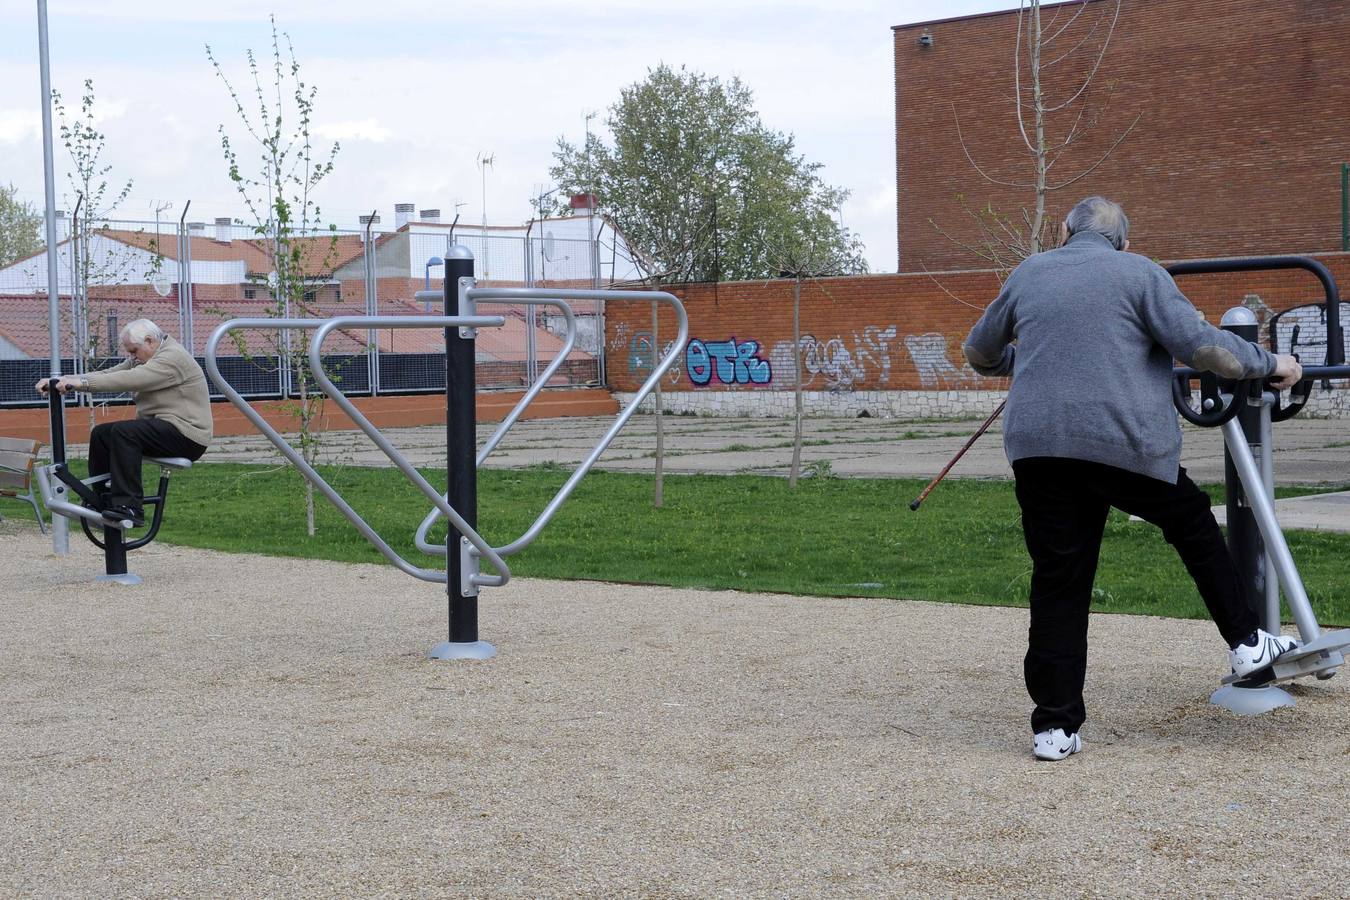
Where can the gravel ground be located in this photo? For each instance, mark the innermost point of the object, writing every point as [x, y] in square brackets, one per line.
[250, 726]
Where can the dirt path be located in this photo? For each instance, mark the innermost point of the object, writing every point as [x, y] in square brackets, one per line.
[250, 726]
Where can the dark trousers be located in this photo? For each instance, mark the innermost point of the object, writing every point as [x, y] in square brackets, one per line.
[116, 449]
[1064, 507]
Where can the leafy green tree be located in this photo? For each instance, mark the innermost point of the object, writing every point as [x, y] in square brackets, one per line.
[276, 180]
[20, 226]
[699, 186]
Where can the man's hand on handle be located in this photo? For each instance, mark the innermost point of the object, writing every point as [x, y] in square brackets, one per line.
[63, 384]
[1288, 372]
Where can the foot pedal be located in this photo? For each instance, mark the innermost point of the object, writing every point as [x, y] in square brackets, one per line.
[1320, 658]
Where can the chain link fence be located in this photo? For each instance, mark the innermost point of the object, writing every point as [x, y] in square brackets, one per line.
[189, 277]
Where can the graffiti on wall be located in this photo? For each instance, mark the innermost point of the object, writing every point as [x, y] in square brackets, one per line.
[638, 348]
[729, 361]
[840, 363]
[934, 365]
[1303, 330]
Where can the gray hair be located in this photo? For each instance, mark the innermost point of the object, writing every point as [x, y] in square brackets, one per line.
[137, 331]
[1102, 216]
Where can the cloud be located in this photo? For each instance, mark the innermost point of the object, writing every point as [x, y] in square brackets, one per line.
[355, 130]
[19, 125]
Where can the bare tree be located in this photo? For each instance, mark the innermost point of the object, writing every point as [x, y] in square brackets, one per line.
[803, 257]
[1048, 126]
[279, 198]
[675, 255]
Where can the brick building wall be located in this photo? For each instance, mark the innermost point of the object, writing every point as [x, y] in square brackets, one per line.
[887, 344]
[1241, 133]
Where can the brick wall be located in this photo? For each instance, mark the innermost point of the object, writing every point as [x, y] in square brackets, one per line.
[873, 335]
[1241, 133]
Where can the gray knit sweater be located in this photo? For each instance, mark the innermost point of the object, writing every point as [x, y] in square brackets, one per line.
[1096, 331]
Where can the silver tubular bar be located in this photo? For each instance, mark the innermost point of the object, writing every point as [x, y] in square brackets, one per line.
[1264, 512]
[658, 372]
[491, 444]
[51, 495]
[410, 472]
[1271, 618]
[289, 452]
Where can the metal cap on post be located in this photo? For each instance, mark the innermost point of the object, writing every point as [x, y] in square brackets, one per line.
[461, 466]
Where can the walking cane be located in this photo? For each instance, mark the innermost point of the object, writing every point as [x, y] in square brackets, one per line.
[962, 452]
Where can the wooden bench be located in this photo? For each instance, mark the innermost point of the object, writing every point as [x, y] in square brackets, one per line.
[18, 456]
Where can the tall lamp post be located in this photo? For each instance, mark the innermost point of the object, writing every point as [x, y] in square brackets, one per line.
[426, 281]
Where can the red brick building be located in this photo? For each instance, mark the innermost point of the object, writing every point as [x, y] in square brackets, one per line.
[1243, 123]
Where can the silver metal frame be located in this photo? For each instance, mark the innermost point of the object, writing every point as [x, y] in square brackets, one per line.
[1321, 653]
[540, 295]
[308, 471]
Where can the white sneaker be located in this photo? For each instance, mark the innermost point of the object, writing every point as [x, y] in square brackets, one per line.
[1055, 744]
[1259, 650]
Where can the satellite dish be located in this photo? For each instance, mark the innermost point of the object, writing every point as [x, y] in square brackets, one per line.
[550, 246]
[160, 282]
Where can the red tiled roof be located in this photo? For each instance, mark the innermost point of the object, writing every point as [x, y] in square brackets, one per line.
[24, 321]
[319, 255]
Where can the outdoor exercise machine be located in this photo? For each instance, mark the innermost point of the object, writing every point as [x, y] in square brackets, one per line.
[1245, 410]
[59, 488]
[459, 503]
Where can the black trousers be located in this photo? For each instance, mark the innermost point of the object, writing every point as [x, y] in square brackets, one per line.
[116, 449]
[1064, 507]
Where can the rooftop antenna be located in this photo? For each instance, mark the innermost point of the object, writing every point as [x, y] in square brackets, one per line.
[485, 161]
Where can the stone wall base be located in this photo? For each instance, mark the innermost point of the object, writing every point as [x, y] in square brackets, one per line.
[1334, 404]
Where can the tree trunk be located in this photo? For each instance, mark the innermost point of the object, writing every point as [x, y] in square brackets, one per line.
[796, 382]
[1038, 103]
[658, 495]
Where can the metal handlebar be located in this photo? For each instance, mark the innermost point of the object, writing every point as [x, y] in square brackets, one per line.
[526, 295]
[439, 500]
[1213, 412]
[1300, 393]
[295, 458]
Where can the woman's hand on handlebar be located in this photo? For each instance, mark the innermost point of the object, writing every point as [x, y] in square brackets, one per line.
[1288, 372]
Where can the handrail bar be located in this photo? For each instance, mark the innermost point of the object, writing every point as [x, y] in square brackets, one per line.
[1310, 373]
[398, 459]
[295, 458]
[1335, 349]
[658, 372]
[511, 418]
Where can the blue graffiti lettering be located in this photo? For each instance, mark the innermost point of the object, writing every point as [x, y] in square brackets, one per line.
[697, 363]
[733, 362]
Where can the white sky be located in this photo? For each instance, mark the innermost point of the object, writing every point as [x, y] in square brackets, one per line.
[520, 74]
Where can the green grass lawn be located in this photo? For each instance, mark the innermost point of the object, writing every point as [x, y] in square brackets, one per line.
[830, 537]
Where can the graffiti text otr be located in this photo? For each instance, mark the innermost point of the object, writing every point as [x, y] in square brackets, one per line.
[734, 363]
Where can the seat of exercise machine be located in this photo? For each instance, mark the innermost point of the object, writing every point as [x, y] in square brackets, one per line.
[170, 462]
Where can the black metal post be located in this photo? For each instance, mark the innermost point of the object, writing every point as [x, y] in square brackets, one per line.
[54, 401]
[461, 446]
[1244, 536]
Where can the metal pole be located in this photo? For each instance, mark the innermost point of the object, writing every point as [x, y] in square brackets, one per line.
[372, 309]
[60, 531]
[1345, 207]
[188, 325]
[461, 466]
[1270, 619]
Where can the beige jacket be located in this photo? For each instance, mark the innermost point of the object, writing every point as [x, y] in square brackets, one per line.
[171, 386]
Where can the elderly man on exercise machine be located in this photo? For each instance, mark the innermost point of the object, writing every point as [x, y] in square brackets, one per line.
[1090, 425]
[173, 409]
